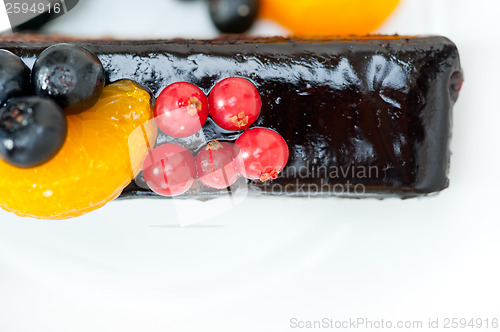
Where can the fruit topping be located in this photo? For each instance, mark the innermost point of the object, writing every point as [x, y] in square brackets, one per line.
[234, 16]
[215, 165]
[316, 18]
[69, 74]
[234, 103]
[262, 154]
[94, 164]
[169, 170]
[181, 110]
[14, 76]
[32, 131]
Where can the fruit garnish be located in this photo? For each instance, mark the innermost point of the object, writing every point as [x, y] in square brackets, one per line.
[261, 154]
[14, 76]
[234, 103]
[92, 167]
[181, 110]
[316, 18]
[32, 131]
[234, 16]
[215, 165]
[69, 74]
[169, 170]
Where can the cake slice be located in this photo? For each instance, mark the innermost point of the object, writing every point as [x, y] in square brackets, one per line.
[362, 116]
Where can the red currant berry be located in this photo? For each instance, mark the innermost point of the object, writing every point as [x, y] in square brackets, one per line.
[181, 110]
[234, 103]
[169, 170]
[261, 154]
[215, 164]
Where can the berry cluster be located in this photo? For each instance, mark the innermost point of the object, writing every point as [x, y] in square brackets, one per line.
[66, 79]
[234, 104]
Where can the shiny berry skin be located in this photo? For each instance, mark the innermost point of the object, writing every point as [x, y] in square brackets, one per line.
[181, 109]
[234, 103]
[215, 165]
[32, 131]
[15, 78]
[261, 154]
[234, 16]
[169, 170]
[70, 75]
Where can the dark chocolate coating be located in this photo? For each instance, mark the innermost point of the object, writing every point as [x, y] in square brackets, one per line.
[375, 112]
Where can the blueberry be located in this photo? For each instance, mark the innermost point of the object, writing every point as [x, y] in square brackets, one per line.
[32, 131]
[70, 75]
[234, 16]
[14, 76]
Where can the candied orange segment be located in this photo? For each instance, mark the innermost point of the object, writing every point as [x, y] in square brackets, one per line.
[315, 18]
[94, 164]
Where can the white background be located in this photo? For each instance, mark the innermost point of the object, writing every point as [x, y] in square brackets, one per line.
[129, 267]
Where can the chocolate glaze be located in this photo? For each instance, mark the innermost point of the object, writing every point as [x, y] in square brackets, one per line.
[374, 112]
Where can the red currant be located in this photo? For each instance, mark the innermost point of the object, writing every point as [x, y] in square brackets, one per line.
[234, 103]
[215, 164]
[181, 109]
[169, 170]
[261, 154]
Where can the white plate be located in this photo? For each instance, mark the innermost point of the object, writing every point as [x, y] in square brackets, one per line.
[130, 267]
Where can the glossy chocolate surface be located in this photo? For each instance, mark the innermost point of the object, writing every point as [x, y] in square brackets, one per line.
[367, 116]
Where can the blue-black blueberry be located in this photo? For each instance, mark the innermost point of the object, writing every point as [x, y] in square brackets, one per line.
[70, 75]
[234, 16]
[14, 77]
[32, 130]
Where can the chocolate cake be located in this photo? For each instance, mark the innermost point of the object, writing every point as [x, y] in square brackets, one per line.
[362, 116]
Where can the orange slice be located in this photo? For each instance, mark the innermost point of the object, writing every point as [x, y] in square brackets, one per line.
[316, 18]
[94, 164]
